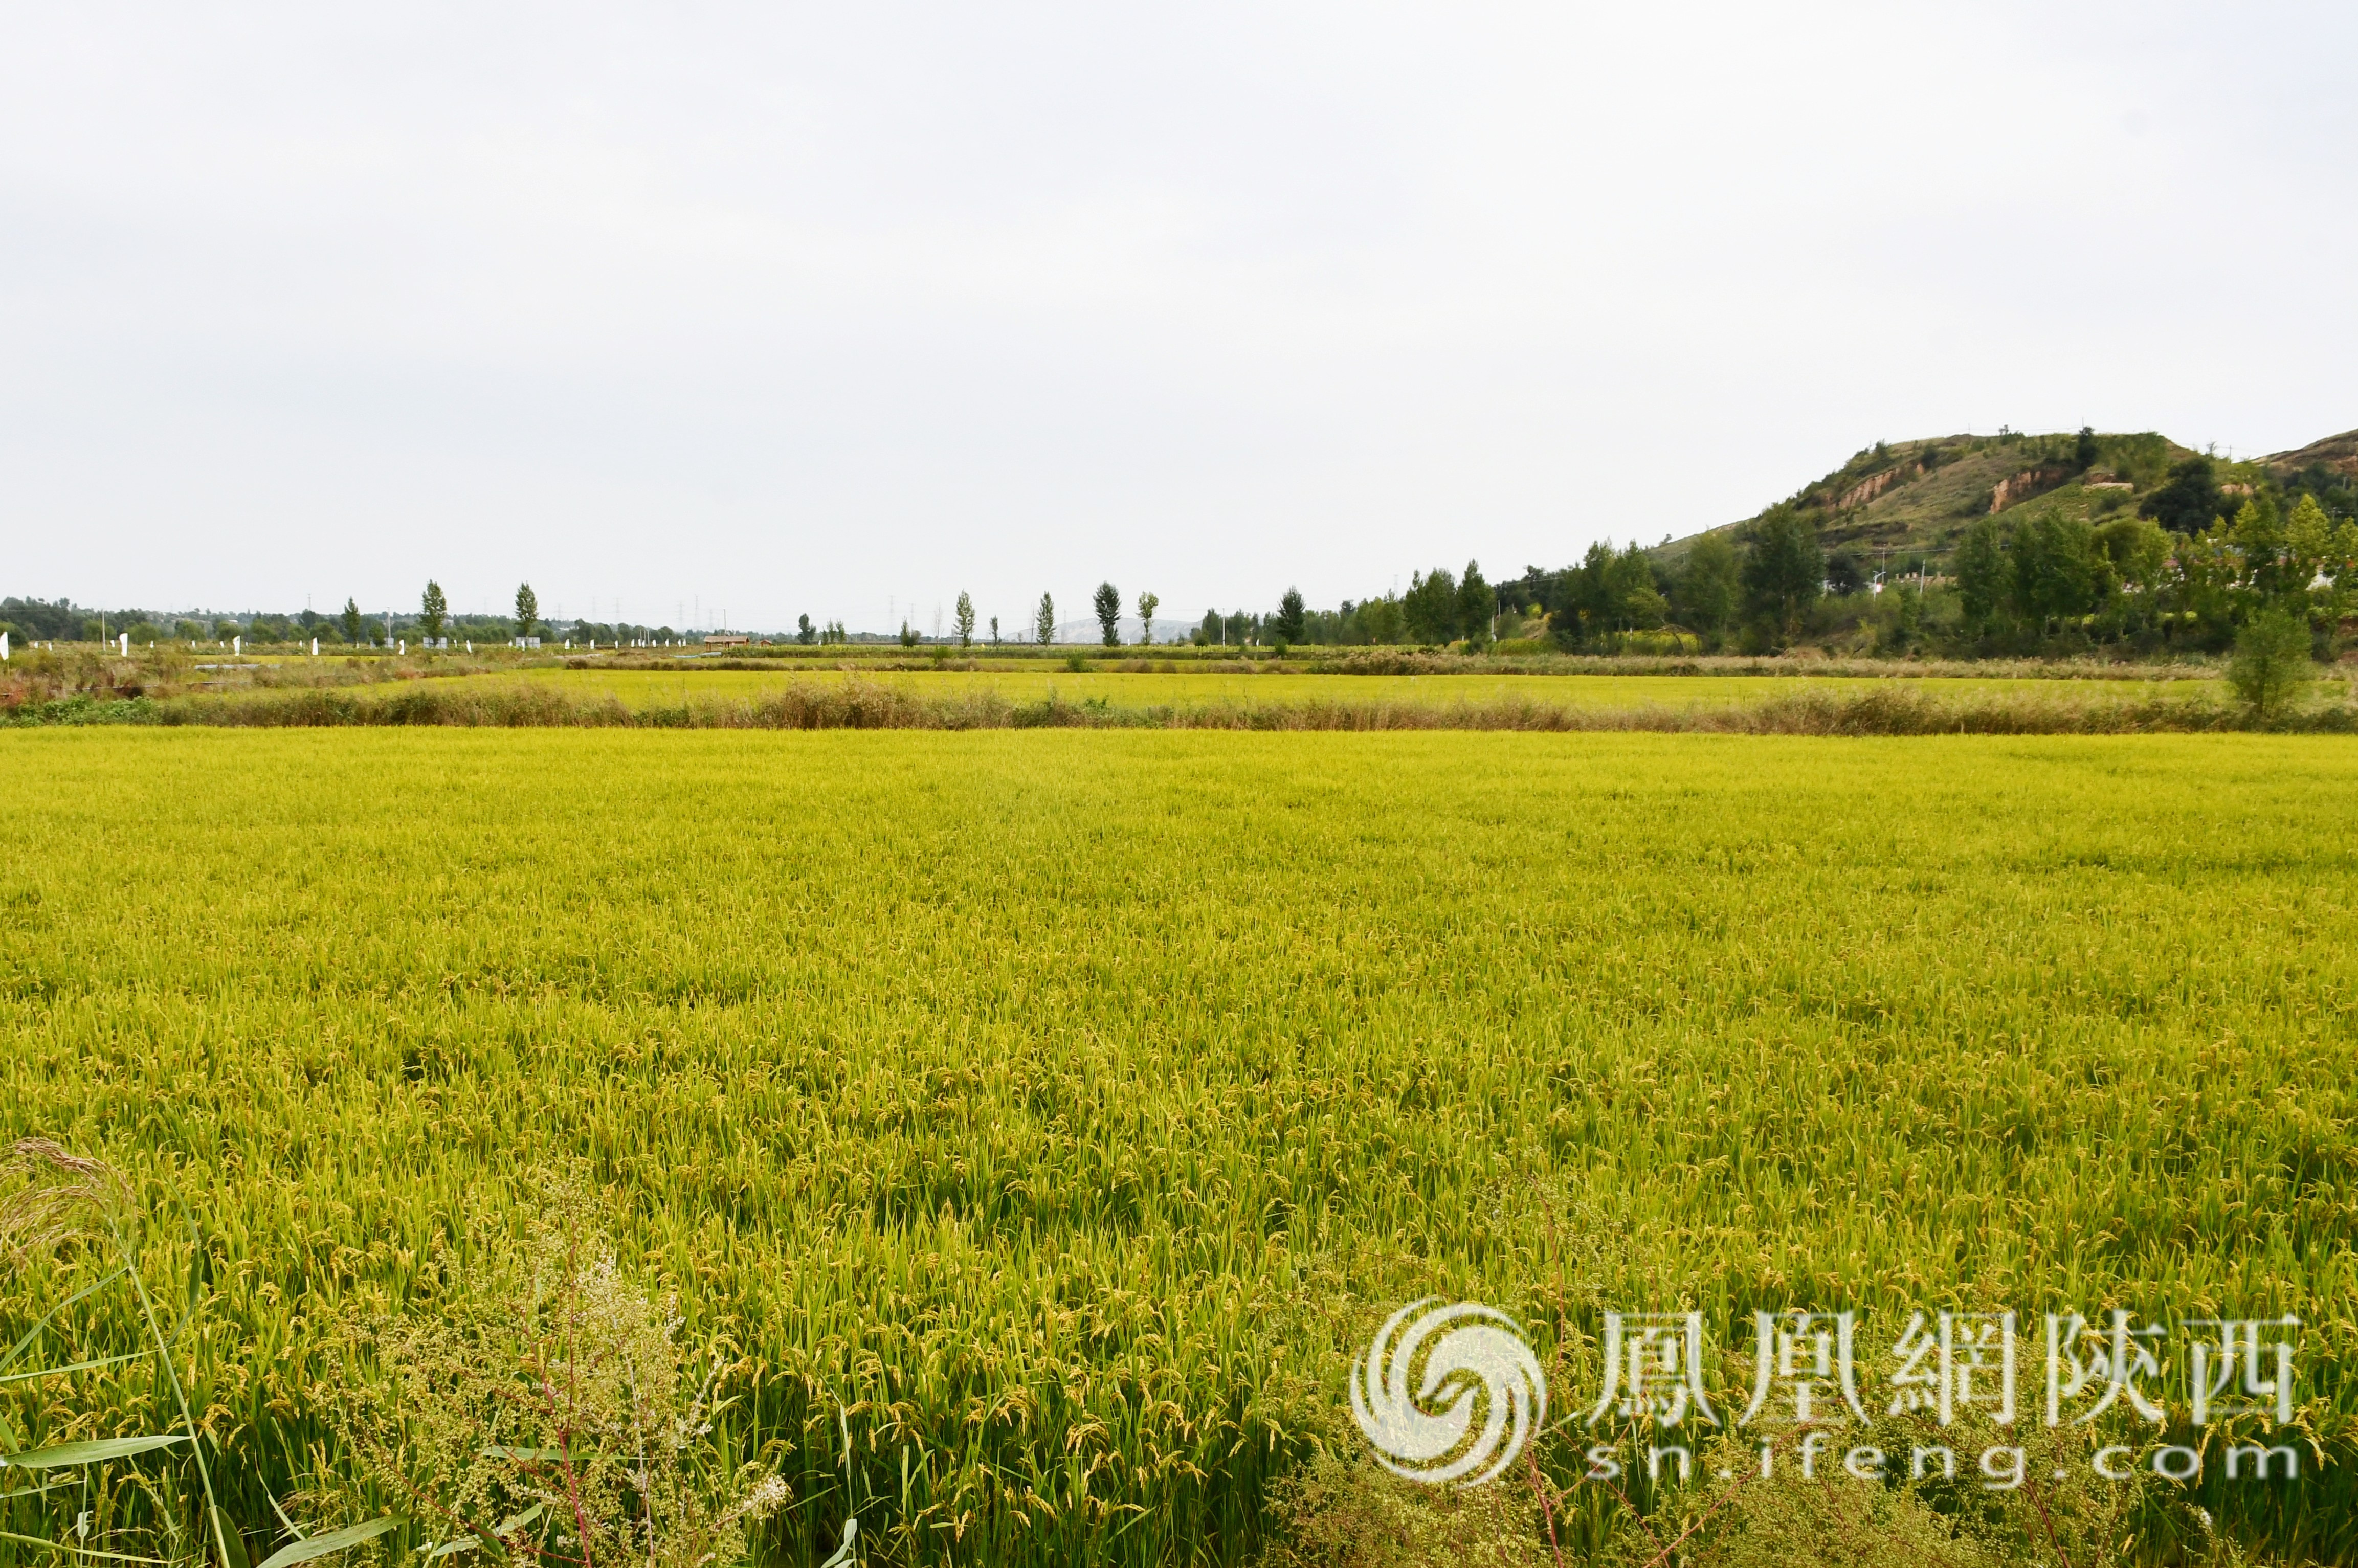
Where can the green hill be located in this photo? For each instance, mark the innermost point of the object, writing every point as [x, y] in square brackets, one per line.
[1895, 502]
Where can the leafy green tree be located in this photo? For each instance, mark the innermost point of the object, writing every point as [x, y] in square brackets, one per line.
[1984, 582]
[2210, 579]
[2260, 535]
[1215, 629]
[1044, 621]
[433, 609]
[1843, 577]
[1430, 606]
[1146, 607]
[994, 630]
[1382, 621]
[2189, 502]
[2054, 568]
[1478, 607]
[350, 620]
[2318, 564]
[1706, 587]
[804, 632]
[2134, 553]
[2085, 451]
[1783, 572]
[527, 609]
[965, 620]
[1107, 603]
[1907, 618]
[1611, 591]
[1636, 600]
[1292, 623]
[908, 634]
[2270, 665]
[1584, 598]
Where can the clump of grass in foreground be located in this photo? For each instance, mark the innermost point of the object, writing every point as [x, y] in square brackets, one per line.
[538, 1404]
[1894, 710]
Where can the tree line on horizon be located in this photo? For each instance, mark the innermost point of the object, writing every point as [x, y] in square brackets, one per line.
[64, 620]
[2186, 569]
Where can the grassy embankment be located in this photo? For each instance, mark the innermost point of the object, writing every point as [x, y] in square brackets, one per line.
[1362, 691]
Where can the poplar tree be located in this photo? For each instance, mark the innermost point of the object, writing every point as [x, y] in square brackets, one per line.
[1982, 575]
[1108, 609]
[1293, 621]
[1784, 573]
[1707, 586]
[1476, 607]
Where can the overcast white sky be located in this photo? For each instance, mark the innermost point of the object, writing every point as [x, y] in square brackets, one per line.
[835, 309]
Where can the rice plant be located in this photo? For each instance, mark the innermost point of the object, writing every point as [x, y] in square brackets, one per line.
[1042, 1119]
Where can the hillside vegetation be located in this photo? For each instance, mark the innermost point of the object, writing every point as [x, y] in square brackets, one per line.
[2013, 546]
[1895, 503]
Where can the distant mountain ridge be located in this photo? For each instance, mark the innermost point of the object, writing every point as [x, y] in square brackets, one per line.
[1909, 500]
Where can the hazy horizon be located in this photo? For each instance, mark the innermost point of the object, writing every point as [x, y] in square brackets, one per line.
[794, 311]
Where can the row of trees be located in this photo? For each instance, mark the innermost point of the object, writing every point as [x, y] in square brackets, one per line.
[2043, 582]
[1106, 603]
[64, 620]
[2180, 571]
[1439, 607]
[2130, 579]
[2195, 563]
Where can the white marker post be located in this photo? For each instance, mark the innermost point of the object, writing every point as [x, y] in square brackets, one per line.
[315, 647]
[122, 642]
[4, 647]
[401, 647]
[237, 646]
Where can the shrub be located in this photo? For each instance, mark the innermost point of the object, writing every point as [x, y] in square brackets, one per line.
[2271, 664]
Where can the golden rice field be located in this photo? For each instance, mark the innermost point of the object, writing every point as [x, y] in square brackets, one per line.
[643, 687]
[1053, 1114]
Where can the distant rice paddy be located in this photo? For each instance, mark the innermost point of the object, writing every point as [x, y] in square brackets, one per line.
[688, 683]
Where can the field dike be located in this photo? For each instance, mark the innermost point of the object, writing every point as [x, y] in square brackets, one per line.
[1903, 709]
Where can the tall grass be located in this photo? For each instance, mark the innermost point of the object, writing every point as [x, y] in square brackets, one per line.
[1048, 1118]
[1892, 708]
